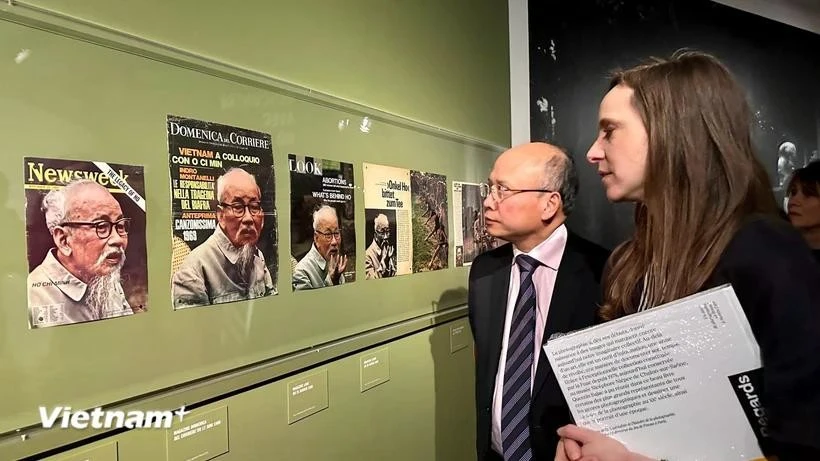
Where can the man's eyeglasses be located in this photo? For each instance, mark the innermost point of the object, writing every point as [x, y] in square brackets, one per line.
[238, 209]
[330, 235]
[500, 193]
[103, 228]
[385, 231]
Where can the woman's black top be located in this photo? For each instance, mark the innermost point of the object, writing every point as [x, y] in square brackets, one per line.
[777, 281]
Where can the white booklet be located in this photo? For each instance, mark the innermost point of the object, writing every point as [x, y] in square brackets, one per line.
[680, 381]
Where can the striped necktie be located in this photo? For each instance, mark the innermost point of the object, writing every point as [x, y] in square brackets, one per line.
[515, 409]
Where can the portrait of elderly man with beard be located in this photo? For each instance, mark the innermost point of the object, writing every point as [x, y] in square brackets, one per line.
[227, 267]
[323, 265]
[380, 256]
[79, 279]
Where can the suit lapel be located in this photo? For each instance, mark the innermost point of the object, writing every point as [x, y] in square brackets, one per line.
[562, 305]
[498, 307]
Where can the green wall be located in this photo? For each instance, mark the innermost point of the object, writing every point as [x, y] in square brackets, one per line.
[424, 412]
[99, 81]
[442, 62]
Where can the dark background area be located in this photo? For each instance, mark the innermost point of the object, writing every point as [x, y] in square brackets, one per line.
[575, 45]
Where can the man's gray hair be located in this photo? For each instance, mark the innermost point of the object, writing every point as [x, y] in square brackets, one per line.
[55, 203]
[381, 219]
[562, 177]
[324, 210]
[220, 181]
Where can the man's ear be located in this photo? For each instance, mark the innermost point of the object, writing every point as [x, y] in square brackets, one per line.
[552, 206]
[60, 236]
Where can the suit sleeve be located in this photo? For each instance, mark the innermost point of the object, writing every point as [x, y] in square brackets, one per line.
[777, 282]
[480, 440]
[470, 302]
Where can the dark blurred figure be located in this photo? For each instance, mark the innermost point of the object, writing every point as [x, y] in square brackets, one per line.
[804, 204]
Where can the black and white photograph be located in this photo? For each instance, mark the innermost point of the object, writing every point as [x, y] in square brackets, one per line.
[388, 204]
[572, 54]
[380, 256]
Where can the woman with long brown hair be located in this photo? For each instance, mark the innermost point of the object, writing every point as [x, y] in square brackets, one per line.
[675, 138]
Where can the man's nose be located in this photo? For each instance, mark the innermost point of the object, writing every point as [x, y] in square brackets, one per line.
[115, 239]
[489, 201]
[246, 216]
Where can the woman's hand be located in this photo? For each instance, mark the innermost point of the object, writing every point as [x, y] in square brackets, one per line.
[567, 450]
[580, 444]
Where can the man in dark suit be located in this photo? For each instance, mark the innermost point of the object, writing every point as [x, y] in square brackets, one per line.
[546, 280]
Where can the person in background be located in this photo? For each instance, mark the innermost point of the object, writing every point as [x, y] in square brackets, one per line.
[804, 204]
[675, 138]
